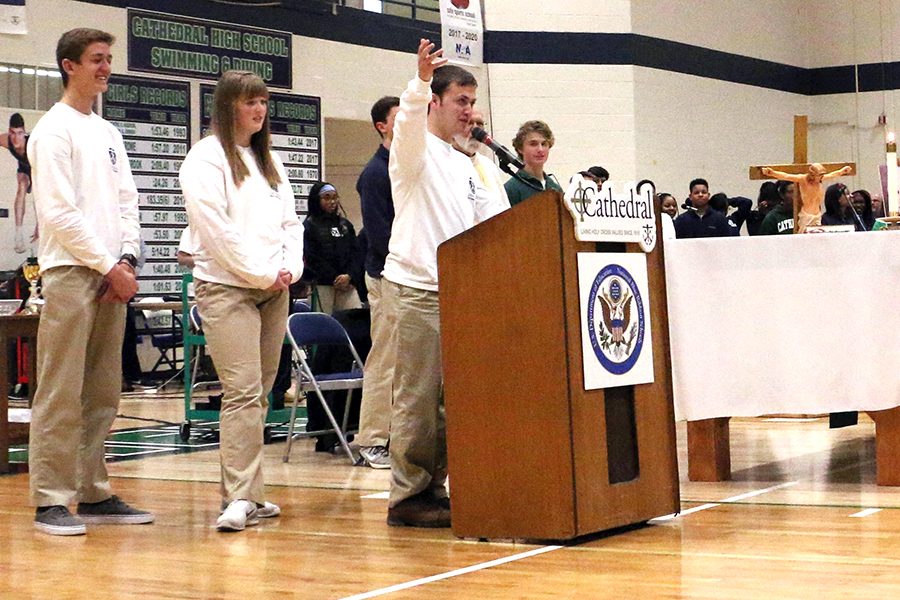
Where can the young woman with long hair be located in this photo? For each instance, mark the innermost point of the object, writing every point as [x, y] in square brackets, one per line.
[248, 247]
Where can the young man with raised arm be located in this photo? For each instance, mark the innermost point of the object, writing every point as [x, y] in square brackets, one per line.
[437, 195]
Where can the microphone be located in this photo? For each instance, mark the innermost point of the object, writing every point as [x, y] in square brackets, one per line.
[504, 155]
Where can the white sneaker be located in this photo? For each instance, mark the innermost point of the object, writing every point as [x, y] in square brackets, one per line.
[239, 514]
[267, 510]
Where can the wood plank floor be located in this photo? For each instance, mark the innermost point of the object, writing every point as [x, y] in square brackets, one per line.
[783, 528]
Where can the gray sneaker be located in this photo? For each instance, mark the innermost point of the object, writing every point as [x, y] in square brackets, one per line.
[57, 520]
[376, 457]
[113, 511]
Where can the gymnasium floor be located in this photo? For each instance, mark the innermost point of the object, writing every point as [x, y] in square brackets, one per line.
[802, 518]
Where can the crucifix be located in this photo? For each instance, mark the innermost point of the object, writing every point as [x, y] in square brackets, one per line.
[807, 176]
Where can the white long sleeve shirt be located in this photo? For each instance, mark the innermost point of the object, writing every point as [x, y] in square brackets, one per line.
[242, 235]
[491, 178]
[84, 194]
[437, 193]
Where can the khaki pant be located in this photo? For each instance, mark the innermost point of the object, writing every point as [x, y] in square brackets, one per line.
[377, 396]
[418, 432]
[79, 366]
[331, 300]
[244, 330]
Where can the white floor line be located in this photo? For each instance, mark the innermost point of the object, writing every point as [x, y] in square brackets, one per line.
[743, 496]
[866, 512]
[377, 496]
[449, 574]
[760, 492]
[683, 513]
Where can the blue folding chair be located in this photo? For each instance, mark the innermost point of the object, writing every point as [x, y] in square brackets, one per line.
[318, 329]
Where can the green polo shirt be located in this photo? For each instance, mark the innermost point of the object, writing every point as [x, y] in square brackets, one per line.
[518, 191]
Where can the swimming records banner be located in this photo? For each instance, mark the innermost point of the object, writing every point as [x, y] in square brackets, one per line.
[154, 118]
[296, 127]
[616, 340]
[162, 43]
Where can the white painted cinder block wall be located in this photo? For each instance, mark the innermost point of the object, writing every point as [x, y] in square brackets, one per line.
[590, 108]
[861, 32]
[689, 126]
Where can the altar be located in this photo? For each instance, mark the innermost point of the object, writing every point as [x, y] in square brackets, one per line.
[800, 324]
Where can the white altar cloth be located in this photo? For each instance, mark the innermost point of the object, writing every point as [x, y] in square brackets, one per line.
[784, 324]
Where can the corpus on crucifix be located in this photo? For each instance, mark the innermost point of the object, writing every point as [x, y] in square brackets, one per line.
[807, 176]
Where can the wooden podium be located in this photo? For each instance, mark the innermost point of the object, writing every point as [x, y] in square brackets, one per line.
[532, 455]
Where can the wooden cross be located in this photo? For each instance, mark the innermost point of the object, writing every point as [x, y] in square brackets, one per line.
[800, 164]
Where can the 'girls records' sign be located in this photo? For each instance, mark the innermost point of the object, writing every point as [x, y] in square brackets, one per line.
[295, 122]
[202, 49]
[154, 118]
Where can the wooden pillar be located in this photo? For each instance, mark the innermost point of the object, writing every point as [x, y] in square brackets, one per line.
[887, 445]
[709, 451]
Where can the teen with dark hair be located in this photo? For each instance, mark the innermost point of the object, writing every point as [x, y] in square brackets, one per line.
[329, 250]
[668, 204]
[721, 202]
[837, 207]
[248, 248]
[377, 204]
[436, 196]
[780, 219]
[767, 199]
[862, 202]
[699, 220]
[87, 209]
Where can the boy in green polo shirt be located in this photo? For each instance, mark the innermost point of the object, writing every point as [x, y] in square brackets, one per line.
[532, 143]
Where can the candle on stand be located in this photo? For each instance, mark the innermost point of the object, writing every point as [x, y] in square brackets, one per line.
[892, 182]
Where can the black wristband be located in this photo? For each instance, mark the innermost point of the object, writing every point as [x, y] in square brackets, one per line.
[131, 259]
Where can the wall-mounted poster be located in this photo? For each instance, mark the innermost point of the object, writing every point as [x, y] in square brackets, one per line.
[18, 223]
[198, 48]
[154, 117]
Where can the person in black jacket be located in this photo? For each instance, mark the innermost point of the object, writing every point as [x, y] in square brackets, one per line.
[838, 210]
[329, 250]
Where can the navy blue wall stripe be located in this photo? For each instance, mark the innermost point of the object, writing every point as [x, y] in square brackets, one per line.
[314, 18]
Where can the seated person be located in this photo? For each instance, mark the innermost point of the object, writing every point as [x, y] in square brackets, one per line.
[862, 202]
[780, 220]
[736, 219]
[699, 220]
[837, 207]
[767, 200]
[669, 204]
[597, 174]
[532, 143]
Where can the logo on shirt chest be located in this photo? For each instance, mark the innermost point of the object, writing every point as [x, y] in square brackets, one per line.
[113, 159]
[472, 194]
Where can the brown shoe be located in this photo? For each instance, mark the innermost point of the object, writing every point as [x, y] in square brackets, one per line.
[418, 511]
[439, 497]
